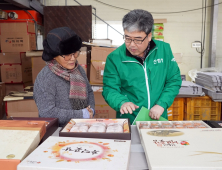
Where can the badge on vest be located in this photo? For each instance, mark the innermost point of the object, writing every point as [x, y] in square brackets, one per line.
[157, 61]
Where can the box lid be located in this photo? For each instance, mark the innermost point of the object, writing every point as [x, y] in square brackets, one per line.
[183, 148]
[51, 124]
[63, 153]
[19, 138]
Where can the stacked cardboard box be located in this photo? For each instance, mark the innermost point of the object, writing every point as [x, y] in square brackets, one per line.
[82, 59]
[157, 31]
[16, 71]
[21, 105]
[17, 37]
[98, 61]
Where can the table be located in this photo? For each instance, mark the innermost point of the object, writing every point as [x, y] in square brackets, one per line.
[137, 156]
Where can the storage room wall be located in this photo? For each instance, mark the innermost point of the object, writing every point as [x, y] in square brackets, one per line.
[180, 30]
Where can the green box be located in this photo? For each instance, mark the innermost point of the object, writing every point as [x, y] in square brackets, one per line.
[160, 38]
[158, 27]
[157, 33]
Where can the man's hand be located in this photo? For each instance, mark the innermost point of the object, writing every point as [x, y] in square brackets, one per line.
[128, 107]
[90, 112]
[156, 111]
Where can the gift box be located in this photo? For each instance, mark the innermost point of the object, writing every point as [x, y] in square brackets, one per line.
[182, 149]
[180, 145]
[18, 140]
[172, 125]
[63, 153]
[52, 124]
[102, 133]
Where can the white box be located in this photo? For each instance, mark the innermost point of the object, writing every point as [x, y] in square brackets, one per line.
[65, 153]
[182, 149]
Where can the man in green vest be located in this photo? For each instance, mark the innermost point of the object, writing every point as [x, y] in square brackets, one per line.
[141, 72]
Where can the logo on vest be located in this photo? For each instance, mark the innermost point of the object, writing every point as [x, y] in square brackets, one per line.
[173, 60]
[157, 61]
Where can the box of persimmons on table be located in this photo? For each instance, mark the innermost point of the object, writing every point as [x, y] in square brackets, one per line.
[97, 128]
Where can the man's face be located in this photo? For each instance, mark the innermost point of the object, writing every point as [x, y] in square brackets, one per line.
[137, 49]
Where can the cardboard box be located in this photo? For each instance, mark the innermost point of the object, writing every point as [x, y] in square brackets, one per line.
[82, 59]
[125, 135]
[102, 109]
[18, 140]
[52, 124]
[18, 37]
[63, 153]
[16, 87]
[15, 68]
[2, 95]
[160, 20]
[13, 58]
[22, 108]
[98, 61]
[37, 65]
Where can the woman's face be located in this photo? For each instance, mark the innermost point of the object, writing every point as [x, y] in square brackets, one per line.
[68, 61]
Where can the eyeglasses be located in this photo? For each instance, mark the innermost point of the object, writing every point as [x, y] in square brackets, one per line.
[69, 56]
[128, 40]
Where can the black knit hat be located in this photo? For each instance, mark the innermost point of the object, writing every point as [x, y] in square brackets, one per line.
[60, 41]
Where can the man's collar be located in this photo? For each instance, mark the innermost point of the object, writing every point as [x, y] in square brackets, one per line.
[152, 45]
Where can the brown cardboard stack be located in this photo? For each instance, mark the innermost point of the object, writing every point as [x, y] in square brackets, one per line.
[98, 61]
[102, 109]
[18, 106]
[22, 108]
[37, 65]
[82, 59]
[16, 87]
[18, 37]
[16, 70]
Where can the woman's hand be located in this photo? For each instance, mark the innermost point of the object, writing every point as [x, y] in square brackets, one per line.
[90, 112]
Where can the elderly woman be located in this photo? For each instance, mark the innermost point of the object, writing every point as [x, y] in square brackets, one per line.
[61, 89]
